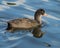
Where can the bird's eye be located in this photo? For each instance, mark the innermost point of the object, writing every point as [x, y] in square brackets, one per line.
[42, 12]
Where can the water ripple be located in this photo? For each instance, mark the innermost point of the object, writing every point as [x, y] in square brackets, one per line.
[27, 8]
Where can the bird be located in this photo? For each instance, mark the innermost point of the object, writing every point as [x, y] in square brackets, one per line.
[26, 23]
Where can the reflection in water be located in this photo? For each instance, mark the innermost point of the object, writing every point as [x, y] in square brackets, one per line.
[37, 32]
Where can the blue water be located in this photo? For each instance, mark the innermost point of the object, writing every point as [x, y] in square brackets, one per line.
[26, 8]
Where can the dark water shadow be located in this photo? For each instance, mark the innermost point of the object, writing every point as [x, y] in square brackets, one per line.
[11, 3]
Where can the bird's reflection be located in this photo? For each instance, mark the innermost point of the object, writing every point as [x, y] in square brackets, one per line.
[37, 32]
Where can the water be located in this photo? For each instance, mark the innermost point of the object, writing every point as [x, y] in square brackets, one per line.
[26, 8]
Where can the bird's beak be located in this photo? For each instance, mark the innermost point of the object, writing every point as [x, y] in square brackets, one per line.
[45, 14]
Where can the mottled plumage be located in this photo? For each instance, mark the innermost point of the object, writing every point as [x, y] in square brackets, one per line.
[23, 23]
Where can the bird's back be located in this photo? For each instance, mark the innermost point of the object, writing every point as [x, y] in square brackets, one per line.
[23, 23]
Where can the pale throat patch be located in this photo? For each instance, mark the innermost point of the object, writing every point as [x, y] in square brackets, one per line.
[40, 19]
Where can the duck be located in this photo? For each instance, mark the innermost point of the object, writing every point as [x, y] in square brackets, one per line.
[26, 23]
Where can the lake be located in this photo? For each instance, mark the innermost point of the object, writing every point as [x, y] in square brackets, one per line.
[26, 9]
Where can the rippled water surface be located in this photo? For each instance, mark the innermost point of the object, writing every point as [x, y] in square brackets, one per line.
[26, 8]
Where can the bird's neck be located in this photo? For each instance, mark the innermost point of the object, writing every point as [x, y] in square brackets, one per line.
[38, 19]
